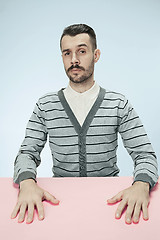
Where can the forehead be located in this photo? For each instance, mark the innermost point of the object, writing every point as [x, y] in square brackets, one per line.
[69, 42]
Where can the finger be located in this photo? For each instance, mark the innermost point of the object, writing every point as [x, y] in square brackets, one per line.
[120, 209]
[30, 213]
[51, 198]
[129, 212]
[137, 211]
[116, 198]
[22, 212]
[15, 211]
[145, 211]
[40, 210]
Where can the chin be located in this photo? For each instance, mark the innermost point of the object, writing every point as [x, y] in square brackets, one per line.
[78, 80]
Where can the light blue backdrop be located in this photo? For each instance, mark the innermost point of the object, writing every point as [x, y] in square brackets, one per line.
[128, 36]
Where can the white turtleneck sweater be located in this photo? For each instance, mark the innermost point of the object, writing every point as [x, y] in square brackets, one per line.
[81, 103]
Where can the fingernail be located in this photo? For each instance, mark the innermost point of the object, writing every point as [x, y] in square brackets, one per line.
[135, 220]
[20, 220]
[41, 217]
[117, 215]
[145, 218]
[28, 221]
[128, 221]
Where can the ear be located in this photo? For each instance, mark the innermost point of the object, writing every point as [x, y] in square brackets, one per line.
[97, 54]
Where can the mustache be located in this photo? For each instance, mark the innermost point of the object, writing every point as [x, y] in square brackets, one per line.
[75, 66]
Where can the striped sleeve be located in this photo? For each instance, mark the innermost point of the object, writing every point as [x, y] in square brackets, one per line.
[136, 142]
[28, 158]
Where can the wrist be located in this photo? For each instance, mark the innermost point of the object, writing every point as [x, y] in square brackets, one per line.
[26, 182]
[145, 185]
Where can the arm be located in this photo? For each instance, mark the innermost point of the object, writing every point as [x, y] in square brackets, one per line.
[139, 147]
[28, 159]
[137, 144]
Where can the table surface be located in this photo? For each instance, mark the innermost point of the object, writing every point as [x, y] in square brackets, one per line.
[83, 212]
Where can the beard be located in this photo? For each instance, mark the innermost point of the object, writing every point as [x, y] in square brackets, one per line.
[82, 78]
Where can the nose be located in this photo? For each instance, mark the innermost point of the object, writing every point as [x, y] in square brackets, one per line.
[75, 59]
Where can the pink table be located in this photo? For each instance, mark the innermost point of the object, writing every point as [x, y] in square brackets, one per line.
[82, 214]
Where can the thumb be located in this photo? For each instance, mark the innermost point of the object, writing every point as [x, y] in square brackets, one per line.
[49, 197]
[116, 198]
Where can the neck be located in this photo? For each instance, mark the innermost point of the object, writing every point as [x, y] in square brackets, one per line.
[81, 87]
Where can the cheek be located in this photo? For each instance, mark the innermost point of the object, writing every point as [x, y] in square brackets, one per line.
[87, 61]
[65, 63]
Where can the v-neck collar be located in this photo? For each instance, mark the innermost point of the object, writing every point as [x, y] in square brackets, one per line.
[84, 128]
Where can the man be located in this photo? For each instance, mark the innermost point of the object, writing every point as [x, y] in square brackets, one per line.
[82, 122]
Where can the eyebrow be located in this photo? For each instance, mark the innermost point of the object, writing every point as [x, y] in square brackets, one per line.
[83, 45]
[80, 45]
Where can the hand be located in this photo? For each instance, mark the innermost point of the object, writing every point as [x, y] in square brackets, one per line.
[135, 199]
[31, 196]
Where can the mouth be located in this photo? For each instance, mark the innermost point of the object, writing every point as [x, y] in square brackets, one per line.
[75, 70]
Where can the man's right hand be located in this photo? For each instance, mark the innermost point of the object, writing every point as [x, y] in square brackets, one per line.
[31, 197]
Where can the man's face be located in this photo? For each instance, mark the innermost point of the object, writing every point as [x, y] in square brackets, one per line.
[78, 57]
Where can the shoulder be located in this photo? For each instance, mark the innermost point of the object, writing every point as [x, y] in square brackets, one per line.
[115, 100]
[112, 95]
[48, 97]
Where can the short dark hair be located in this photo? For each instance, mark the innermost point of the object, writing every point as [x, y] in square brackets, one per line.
[76, 29]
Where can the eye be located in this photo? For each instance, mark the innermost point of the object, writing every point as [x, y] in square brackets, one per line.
[66, 53]
[82, 51]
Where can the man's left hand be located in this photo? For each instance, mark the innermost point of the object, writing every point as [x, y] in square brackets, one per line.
[134, 199]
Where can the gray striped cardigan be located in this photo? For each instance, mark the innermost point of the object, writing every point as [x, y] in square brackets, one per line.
[87, 150]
